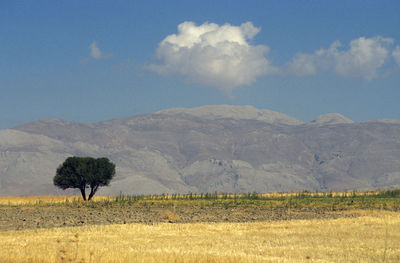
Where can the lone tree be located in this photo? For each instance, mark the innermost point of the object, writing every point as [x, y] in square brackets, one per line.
[84, 172]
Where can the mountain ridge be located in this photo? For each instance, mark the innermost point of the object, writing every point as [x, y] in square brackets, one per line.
[331, 118]
[234, 112]
[174, 152]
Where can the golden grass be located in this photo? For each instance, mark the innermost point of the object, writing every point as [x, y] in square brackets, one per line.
[22, 200]
[372, 237]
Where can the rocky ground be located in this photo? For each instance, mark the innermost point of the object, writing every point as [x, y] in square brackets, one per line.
[18, 218]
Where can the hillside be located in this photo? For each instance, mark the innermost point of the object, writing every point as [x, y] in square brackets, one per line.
[207, 149]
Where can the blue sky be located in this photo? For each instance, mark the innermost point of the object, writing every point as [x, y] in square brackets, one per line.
[99, 60]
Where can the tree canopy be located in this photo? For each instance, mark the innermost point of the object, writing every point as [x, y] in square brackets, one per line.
[84, 172]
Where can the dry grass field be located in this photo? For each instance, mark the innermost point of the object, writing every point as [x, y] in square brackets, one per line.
[374, 236]
[23, 200]
[280, 227]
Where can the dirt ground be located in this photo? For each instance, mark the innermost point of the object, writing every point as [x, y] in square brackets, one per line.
[18, 218]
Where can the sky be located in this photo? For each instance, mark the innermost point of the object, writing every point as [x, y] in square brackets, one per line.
[99, 60]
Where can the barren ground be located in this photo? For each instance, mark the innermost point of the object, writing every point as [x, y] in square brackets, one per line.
[17, 218]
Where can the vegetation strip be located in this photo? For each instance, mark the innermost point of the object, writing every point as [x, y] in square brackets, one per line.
[389, 200]
[49, 212]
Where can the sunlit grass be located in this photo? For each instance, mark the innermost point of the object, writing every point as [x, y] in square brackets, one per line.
[372, 237]
[26, 200]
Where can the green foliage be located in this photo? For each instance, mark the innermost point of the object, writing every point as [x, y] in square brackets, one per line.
[388, 200]
[84, 172]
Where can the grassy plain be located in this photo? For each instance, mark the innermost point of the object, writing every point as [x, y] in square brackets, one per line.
[371, 237]
[371, 232]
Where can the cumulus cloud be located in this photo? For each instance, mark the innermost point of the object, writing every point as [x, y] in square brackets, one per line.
[396, 55]
[363, 58]
[214, 55]
[96, 53]
[303, 64]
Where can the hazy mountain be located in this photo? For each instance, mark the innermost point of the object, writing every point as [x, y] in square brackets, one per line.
[213, 112]
[331, 118]
[207, 149]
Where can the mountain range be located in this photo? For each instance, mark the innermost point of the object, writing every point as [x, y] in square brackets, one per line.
[222, 148]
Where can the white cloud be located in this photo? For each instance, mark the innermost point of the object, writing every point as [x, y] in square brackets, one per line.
[303, 64]
[214, 55]
[396, 55]
[364, 58]
[96, 53]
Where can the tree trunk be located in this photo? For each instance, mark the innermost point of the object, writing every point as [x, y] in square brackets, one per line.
[93, 191]
[83, 193]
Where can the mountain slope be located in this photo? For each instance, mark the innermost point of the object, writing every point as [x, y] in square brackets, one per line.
[331, 118]
[207, 149]
[234, 112]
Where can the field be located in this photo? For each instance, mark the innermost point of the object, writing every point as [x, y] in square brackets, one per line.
[301, 227]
